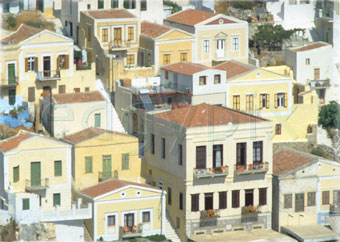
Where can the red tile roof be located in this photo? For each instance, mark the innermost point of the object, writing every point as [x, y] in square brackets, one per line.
[109, 186]
[311, 46]
[287, 160]
[112, 13]
[24, 32]
[89, 133]
[233, 68]
[13, 142]
[78, 97]
[153, 30]
[190, 16]
[206, 115]
[185, 68]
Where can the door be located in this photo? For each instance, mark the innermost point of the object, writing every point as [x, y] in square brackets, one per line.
[47, 66]
[35, 174]
[107, 166]
[117, 36]
[40, 5]
[129, 220]
[316, 73]
[220, 48]
[249, 197]
[11, 74]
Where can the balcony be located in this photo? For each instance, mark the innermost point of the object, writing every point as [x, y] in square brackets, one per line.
[37, 185]
[48, 75]
[334, 209]
[320, 84]
[10, 83]
[131, 232]
[211, 213]
[121, 45]
[104, 175]
[251, 168]
[83, 67]
[211, 172]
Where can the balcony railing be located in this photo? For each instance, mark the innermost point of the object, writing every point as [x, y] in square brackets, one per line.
[211, 172]
[249, 214]
[211, 213]
[83, 67]
[251, 168]
[121, 44]
[104, 175]
[131, 232]
[36, 185]
[10, 82]
[48, 75]
[334, 209]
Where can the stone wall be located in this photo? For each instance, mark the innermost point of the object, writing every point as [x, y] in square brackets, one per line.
[37, 232]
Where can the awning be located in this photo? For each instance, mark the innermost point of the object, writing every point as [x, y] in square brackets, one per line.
[310, 233]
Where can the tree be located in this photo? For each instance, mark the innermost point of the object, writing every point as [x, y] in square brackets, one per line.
[175, 6]
[329, 115]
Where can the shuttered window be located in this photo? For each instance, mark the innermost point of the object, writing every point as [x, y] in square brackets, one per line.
[16, 174]
[31, 94]
[125, 161]
[257, 152]
[131, 34]
[62, 62]
[163, 148]
[200, 157]
[264, 101]
[222, 200]
[152, 144]
[105, 35]
[56, 199]
[181, 201]
[288, 201]
[236, 102]
[57, 168]
[325, 197]
[25, 204]
[235, 198]
[62, 88]
[88, 164]
[311, 199]
[169, 196]
[195, 202]
[262, 196]
[180, 155]
[299, 202]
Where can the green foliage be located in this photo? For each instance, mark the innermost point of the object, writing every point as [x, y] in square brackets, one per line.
[175, 6]
[248, 4]
[329, 115]
[156, 237]
[14, 113]
[318, 152]
[11, 21]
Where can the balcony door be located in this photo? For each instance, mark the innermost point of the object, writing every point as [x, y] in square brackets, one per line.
[107, 169]
[217, 156]
[11, 73]
[47, 66]
[35, 174]
[220, 48]
[117, 36]
[249, 197]
[200, 157]
[129, 220]
[241, 154]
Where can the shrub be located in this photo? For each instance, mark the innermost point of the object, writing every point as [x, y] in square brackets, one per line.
[14, 113]
[329, 115]
[318, 152]
[175, 6]
[156, 237]
[243, 4]
[29, 18]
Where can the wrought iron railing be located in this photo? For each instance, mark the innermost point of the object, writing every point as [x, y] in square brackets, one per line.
[211, 172]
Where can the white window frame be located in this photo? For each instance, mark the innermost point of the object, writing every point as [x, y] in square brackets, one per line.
[208, 46]
[281, 97]
[238, 43]
[150, 210]
[116, 223]
[127, 33]
[15, 68]
[108, 34]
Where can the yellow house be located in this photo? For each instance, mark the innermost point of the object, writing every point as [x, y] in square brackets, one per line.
[35, 62]
[102, 154]
[273, 95]
[125, 209]
[306, 191]
[162, 45]
[218, 37]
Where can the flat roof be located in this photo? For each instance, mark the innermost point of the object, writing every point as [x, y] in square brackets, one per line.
[309, 233]
[263, 235]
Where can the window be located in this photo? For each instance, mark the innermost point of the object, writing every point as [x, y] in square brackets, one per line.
[184, 57]
[111, 220]
[249, 197]
[152, 144]
[130, 4]
[235, 198]
[206, 45]
[130, 59]
[88, 164]
[57, 168]
[11, 96]
[217, 156]
[117, 36]
[15, 174]
[181, 201]
[325, 197]
[166, 75]
[292, 2]
[200, 157]
[241, 153]
[195, 199]
[166, 59]
[203, 80]
[311, 199]
[169, 196]
[131, 33]
[56, 199]
[278, 129]
[236, 43]
[62, 62]
[307, 61]
[25, 204]
[180, 155]
[163, 148]
[217, 79]
[249, 102]
[76, 90]
[178, 222]
[299, 202]
[281, 100]
[146, 217]
[100, 4]
[30, 64]
[125, 161]
[97, 120]
[114, 3]
[264, 101]
[236, 102]
[71, 29]
[105, 35]
[288, 203]
[143, 6]
[89, 32]
[262, 196]
[222, 200]
[88, 7]
[149, 60]
[208, 201]
[316, 73]
[257, 152]
[62, 88]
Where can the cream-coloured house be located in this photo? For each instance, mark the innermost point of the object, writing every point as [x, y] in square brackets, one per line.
[102, 154]
[215, 164]
[218, 37]
[124, 210]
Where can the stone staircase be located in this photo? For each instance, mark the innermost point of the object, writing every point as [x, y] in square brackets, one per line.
[87, 236]
[170, 232]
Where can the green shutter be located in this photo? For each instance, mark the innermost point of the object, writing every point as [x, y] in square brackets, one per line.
[125, 161]
[56, 199]
[107, 166]
[88, 164]
[57, 168]
[16, 174]
[25, 204]
[97, 120]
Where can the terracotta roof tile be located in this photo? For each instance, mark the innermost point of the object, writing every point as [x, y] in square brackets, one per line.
[78, 97]
[287, 160]
[206, 115]
[153, 30]
[185, 68]
[89, 133]
[311, 46]
[110, 185]
[191, 16]
[24, 32]
[233, 68]
[13, 142]
[112, 13]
